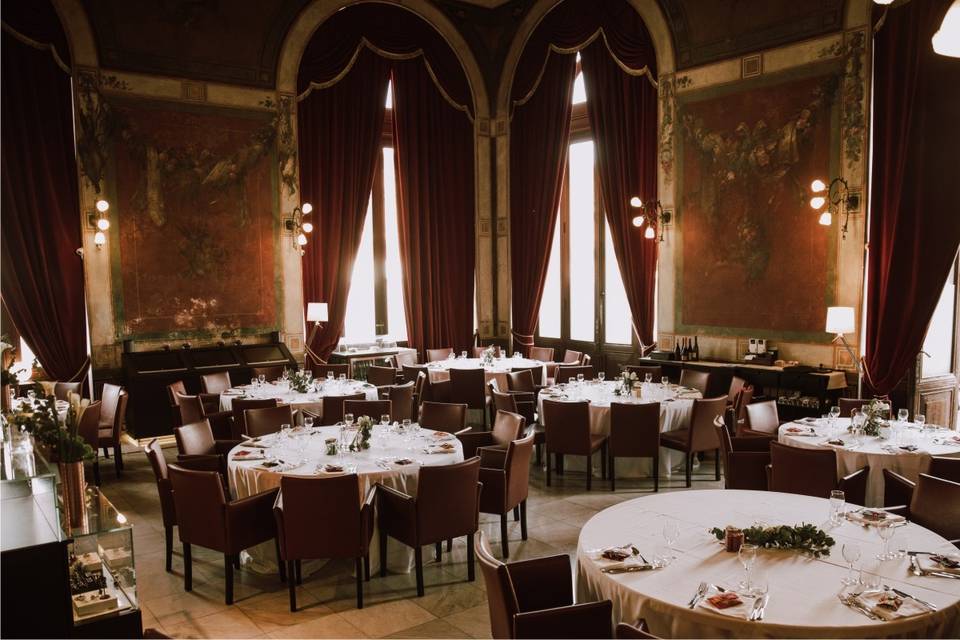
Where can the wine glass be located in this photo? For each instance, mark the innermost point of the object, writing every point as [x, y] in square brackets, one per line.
[851, 553]
[648, 378]
[343, 377]
[253, 382]
[886, 533]
[348, 419]
[601, 376]
[463, 355]
[665, 381]
[330, 376]
[384, 420]
[261, 378]
[308, 422]
[285, 430]
[902, 415]
[834, 412]
[920, 420]
[580, 378]
[671, 533]
[837, 501]
[747, 555]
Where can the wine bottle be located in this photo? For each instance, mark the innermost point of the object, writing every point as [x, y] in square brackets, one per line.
[676, 351]
[685, 351]
[696, 348]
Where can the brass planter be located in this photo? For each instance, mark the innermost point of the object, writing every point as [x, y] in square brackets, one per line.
[73, 487]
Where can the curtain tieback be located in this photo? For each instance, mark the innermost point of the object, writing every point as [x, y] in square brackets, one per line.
[524, 339]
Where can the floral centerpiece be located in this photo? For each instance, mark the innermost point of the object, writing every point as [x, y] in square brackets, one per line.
[361, 441]
[806, 538]
[875, 416]
[488, 356]
[626, 380]
[300, 381]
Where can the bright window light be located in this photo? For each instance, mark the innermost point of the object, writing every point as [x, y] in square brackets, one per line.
[550, 309]
[582, 258]
[361, 321]
[396, 311]
[617, 320]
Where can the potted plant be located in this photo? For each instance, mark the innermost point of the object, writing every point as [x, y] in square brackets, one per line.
[72, 451]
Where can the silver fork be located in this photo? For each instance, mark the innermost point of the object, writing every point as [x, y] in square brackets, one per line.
[701, 590]
[851, 601]
[763, 607]
[756, 609]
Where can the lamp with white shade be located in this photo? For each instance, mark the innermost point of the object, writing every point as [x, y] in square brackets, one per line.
[317, 313]
[841, 320]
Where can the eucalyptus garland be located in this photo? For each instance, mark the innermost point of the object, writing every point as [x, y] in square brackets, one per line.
[806, 538]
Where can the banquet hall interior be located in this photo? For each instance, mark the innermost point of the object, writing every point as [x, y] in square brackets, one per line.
[480, 318]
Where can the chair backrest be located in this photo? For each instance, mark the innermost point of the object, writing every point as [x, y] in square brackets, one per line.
[190, 408]
[381, 376]
[543, 354]
[565, 374]
[158, 463]
[240, 406]
[517, 467]
[62, 390]
[195, 439]
[501, 598]
[742, 400]
[268, 373]
[736, 384]
[762, 416]
[847, 405]
[109, 404]
[372, 408]
[333, 407]
[215, 382]
[626, 631]
[946, 468]
[411, 371]
[525, 379]
[479, 349]
[448, 500]
[809, 472]
[467, 386]
[320, 370]
[421, 386]
[936, 506]
[567, 426]
[174, 391]
[698, 380]
[572, 357]
[305, 529]
[401, 396]
[507, 427]
[726, 446]
[200, 506]
[449, 416]
[503, 401]
[586, 359]
[439, 354]
[642, 370]
[634, 429]
[260, 422]
[702, 437]
[405, 357]
[89, 426]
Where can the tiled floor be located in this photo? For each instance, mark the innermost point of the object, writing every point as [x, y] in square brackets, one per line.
[451, 608]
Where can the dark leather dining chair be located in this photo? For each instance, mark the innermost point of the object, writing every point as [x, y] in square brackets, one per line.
[240, 406]
[320, 370]
[113, 408]
[468, 386]
[269, 373]
[215, 382]
[433, 355]
[945, 467]
[572, 357]
[642, 370]
[626, 631]
[897, 491]
[411, 371]
[762, 420]
[634, 433]
[62, 390]
[401, 397]
[88, 428]
[847, 405]
[700, 436]
[446, 507]
[507, 427]
[206, 518]
[936, 506]
[543, 354]
[195, 443]
[165, 490]
[745, 460]
[333, 407]
[261, 422]
[381, 377]
[447, 416]
[737, 410]
[372, 408]
[699, 380]
[405, 357]
[193, 410]
[303, 533]
[519, 403]
[528, 379]
[736, 384]
[210, 401]
[505, 476]
[520, 606]
[566, 374]
[813, 472]
[567, 427]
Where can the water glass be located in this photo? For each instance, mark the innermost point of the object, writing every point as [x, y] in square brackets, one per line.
[665, 381]
[886, 533]
[253, 382]
[838, 501]
[671, 533]
[601, 376]
[285, 431]
[348, 419]
[330, 376]
[308, 422]
[648, 378]
[902, 415]
[580, 377]
[834, 412]
[851, 553]
[747, 555]
[919, 419]
[463, 354]
[343, 377]
[384, 420]
[261, 378]
[761, 586]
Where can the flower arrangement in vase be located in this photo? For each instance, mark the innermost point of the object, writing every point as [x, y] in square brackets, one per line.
[300, 381]
[626, 379]
[488, 356]
[874, 417]
[361, 441]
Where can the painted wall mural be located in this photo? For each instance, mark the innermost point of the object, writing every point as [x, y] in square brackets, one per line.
[752, 258]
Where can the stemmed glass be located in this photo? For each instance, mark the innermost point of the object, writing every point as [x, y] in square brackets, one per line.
[348, 420]
[308, 422]
[343, 377]
[747, 556]
[665, 381]
[330, 376]
[671, 533]
[851, 553]
[580, 378]
[601, 375]
[920, 420]
[886, 533]
[902, 415]
[648, 378]
[261, 379]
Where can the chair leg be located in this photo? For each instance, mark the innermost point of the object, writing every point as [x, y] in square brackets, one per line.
[603, 461]
[383, 553]
[96, 472]
[106, 453]
[292, 585]
[118, 454]
[471, 574]
[117, 461]
[236, 561]
[168, 539]
[280, 563]
[187, 568]
[516, 513]
[716, 462]
[366, 567]
[656, 473]
[228, 578]
[418, 559]
[613, 473]
[298, 565]
[359, 570]
[548, 468]
[504, 543]
[689, 461]
[449, 545]
[438, 551]
[559, 457]
[523, 520]
[589, 471]
[539, 449]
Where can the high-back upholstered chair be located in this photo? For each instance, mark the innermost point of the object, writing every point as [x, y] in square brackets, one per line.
[467, 386]
[215, 382]
[113, 408]
[642, 370]
[478, 350]
[411, 371]
[447, 416]
[62, 390]
[304, 534]
[333, 407]
[699, 380]
[372, 408]
[520, 403]
[165, 490]
[586, 359]
[847, 405]
[745, 460]
[700, 436]
[439, 354]
[89, 429]
[634, 433]
[211, 402]
[936, 506]
[520, 606]
[192, 409]
[505, 476]
[507, 427]
[197, 446]
[381, 376]
[205, 518]
[401, 398]
[528, 379]
[268, 373]
[572, 357]
[813, 472]
[240, 407]
[566, 374]
[736, 384]
[897, 490]
[738, 410]
[543, 354]
[320, 370]
[568, 433]
[446, 507]
[405, 357]
[762, 419]
[261, 422]
[944, 467]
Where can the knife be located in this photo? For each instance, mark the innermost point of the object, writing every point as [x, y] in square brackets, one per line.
[904, 594]
[627, 568]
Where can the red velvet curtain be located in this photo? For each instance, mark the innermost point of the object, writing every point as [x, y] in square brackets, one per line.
[339, 134]
[41, 276]
[435, 184]
[539, 133]
[623, 115]
[914, 210]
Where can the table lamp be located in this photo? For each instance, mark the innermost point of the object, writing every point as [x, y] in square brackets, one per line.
[840, 320]
[317, 313]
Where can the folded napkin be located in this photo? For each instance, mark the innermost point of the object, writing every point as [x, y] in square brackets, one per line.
[944, 563]
[277, 466]
[248, 454]
[874, 517]
[800, 432]
[889, 606]
[256, 445]
[741, 610]
[440, 448]
[233, 392]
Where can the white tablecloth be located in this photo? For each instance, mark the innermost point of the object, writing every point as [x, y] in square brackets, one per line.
[803, 591]
[307, 449]
[312, 401]
[439, 370]
[879, 453]
[676, 406]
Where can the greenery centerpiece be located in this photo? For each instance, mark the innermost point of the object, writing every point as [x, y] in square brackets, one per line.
[361, 441]
[626, 379]
[300, 381]
[875, 415]
[806, 538]
[488, 356]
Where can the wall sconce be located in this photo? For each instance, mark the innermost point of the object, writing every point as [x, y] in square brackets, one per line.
[299, 227]
[654, 215]
[100, 222]
[834, 196]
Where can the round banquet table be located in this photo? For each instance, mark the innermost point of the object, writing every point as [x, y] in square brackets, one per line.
[439, 370]
[878, 453]
[311, 401]
[803, 591]
[676, 405]
[304, 454]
